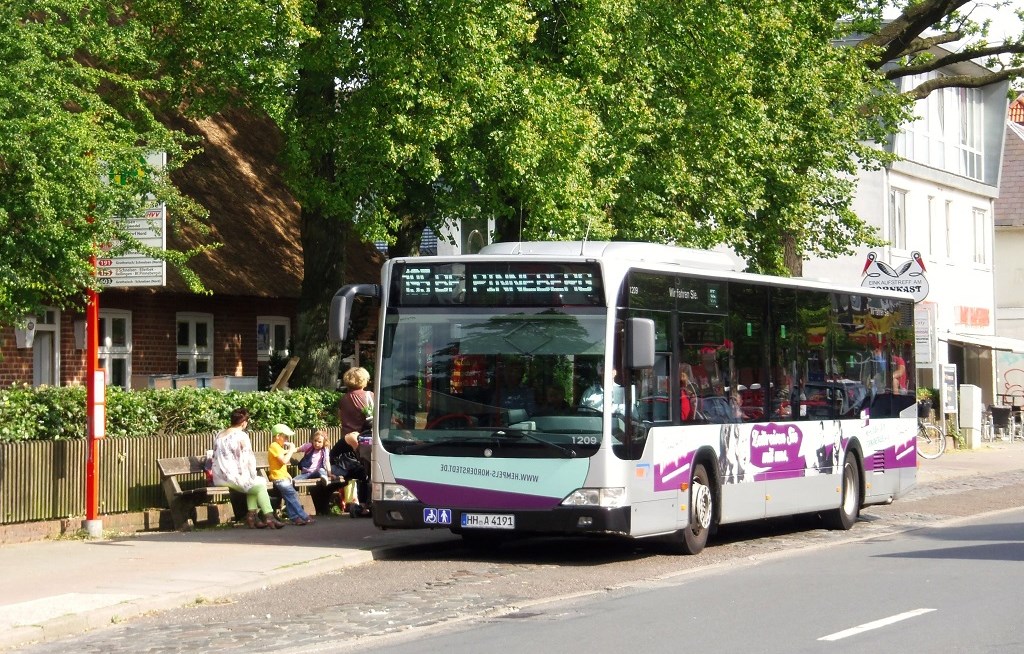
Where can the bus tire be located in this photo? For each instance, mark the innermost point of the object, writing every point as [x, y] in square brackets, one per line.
[702, 511]
[846, 515]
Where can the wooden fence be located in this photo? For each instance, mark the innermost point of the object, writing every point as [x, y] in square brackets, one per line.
[45, 480]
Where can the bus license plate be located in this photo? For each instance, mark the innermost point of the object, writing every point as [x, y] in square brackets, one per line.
[488, 521]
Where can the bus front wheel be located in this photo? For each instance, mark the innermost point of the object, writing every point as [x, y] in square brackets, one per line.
[846, 515]
[693, 538]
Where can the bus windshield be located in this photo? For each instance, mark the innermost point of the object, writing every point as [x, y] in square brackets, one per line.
[458, 381]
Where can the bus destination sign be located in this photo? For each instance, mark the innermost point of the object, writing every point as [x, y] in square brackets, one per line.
[481, 283]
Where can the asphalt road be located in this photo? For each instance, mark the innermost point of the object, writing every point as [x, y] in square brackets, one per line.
[945, 589]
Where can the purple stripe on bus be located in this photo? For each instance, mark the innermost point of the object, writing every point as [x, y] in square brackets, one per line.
[669, 476]
[448, 496]
[903, 455]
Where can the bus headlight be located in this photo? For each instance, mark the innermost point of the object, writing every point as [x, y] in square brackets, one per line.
[603, 497]
[393, 493]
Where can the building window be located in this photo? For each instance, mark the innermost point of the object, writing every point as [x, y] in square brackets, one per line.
[898, 218]
[981, 236]
[115, 346]
[947, 133]
[195, 343]
[273, 334]
[949, 229]
[968, 145]
[933, 229]
[46, 349]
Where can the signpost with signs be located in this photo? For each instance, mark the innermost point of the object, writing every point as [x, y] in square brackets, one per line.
[924, 332]
[948, 389]
[129, 269]
[133, 268]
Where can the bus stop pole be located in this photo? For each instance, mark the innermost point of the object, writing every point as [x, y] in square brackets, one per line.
[95, 414]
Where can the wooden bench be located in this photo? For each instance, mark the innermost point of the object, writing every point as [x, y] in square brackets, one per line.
[182, 502]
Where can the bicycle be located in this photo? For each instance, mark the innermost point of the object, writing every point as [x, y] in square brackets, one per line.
[931, 440]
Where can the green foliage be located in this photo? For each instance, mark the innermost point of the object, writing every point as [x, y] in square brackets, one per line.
[72, 117]
[741, 122]
[953, 431]
[28, 413]
[50, 413]
[733, 123]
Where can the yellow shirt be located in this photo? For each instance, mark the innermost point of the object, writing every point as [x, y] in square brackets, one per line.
[277, 470]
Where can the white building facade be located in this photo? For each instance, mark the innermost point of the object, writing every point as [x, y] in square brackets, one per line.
[938, 200]
[1009, 248]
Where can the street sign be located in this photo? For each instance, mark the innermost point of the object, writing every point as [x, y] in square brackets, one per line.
[132, 268]
[908, 277]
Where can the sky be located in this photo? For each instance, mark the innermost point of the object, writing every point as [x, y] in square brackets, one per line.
[1004, 21]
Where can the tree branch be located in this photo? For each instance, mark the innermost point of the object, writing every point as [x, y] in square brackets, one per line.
[920, 45]
[896, 36]
[922, 90]
[954, 58]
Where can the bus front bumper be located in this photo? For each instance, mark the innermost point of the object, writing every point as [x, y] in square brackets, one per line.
[578, 520]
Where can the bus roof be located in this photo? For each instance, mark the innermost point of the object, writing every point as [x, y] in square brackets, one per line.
[622, 255]
[619, 250]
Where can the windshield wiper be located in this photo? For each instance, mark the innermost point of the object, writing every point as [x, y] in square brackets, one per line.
[521, 433]
[419, 447]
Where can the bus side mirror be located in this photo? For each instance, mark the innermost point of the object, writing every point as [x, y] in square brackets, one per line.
[341, 308]
[640, 352]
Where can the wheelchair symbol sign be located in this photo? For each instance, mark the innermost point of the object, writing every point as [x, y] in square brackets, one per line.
[437, 516]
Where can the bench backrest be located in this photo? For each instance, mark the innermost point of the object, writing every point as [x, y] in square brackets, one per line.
[184, 465]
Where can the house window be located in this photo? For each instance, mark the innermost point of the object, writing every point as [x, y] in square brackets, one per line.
[968, 145]
[46, 349]
[195, 343]
[947, 133]
[898, 218]
[981, 236]
[933, 229]
[115, 346]
[949, 229]
[272, 336]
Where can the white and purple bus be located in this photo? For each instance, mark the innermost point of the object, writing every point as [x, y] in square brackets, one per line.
[630, 389]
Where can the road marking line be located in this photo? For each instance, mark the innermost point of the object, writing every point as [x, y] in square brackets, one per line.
[853, 631]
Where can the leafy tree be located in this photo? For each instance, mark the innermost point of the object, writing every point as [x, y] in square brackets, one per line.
[739, 123]
[70, 122]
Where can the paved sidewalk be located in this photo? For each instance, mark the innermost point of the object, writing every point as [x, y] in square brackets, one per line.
[58, 588]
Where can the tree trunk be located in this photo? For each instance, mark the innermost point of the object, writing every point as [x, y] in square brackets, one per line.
[792, 258]
[324, 238]
[407, 238]
[323, 253]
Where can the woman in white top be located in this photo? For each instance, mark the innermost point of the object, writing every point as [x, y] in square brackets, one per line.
[234, 466]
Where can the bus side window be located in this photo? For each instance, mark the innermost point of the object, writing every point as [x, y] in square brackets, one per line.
[651, 402]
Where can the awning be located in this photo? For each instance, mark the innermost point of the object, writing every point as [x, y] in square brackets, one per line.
[988, 342]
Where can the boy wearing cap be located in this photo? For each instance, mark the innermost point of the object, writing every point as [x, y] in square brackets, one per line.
[279, 455]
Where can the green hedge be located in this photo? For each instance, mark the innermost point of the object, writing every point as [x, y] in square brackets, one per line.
[57, 413]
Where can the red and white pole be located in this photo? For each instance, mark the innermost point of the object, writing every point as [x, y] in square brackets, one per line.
[95, 410]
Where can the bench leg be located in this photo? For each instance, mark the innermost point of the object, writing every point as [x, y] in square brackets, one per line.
[183, 515]
[321, 496]
[181, 510]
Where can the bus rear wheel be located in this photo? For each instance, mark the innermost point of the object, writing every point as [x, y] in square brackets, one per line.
[693, 538]
[846, 515]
